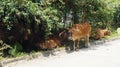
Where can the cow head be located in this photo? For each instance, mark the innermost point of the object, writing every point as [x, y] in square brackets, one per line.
[63, 35]
[73, 32]
[70, 33]
[107, 32]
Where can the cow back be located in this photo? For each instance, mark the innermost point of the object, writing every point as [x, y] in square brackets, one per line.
[78, 31]
[51, 43]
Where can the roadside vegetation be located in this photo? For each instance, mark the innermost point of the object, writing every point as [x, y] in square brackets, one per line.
[23, 23]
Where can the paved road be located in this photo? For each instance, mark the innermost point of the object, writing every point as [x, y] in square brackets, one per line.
[106, 55]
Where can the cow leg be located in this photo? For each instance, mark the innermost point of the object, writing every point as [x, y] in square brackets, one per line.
[77, 44]
[74, 45]
[87, 44]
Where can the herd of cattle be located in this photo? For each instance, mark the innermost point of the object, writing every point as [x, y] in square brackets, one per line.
[75, 34]
[31, 41]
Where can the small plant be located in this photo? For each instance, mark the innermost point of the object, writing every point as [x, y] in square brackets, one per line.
[16, 50]
[3, 46]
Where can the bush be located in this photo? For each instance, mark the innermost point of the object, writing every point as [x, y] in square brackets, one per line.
[16, 50]
[3, 46]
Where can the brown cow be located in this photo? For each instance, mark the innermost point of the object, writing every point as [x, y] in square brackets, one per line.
[53, 41]
[78, 31]
[100, 33]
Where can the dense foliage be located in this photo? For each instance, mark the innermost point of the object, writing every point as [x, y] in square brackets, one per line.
[33, 20]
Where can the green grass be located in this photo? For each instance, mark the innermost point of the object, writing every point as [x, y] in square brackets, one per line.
[114, 34]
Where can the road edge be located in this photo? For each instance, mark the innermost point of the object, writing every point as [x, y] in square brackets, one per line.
[39, 54]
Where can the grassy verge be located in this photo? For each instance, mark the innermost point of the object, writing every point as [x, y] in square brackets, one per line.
[113, 34]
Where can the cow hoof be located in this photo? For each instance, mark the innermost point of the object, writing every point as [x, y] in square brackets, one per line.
[76, 49]
[87, 46]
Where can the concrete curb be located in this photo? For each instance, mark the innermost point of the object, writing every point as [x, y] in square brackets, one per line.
[27, 57]
[36, 55]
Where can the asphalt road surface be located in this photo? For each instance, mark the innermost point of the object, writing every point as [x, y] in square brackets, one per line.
[106, 55]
